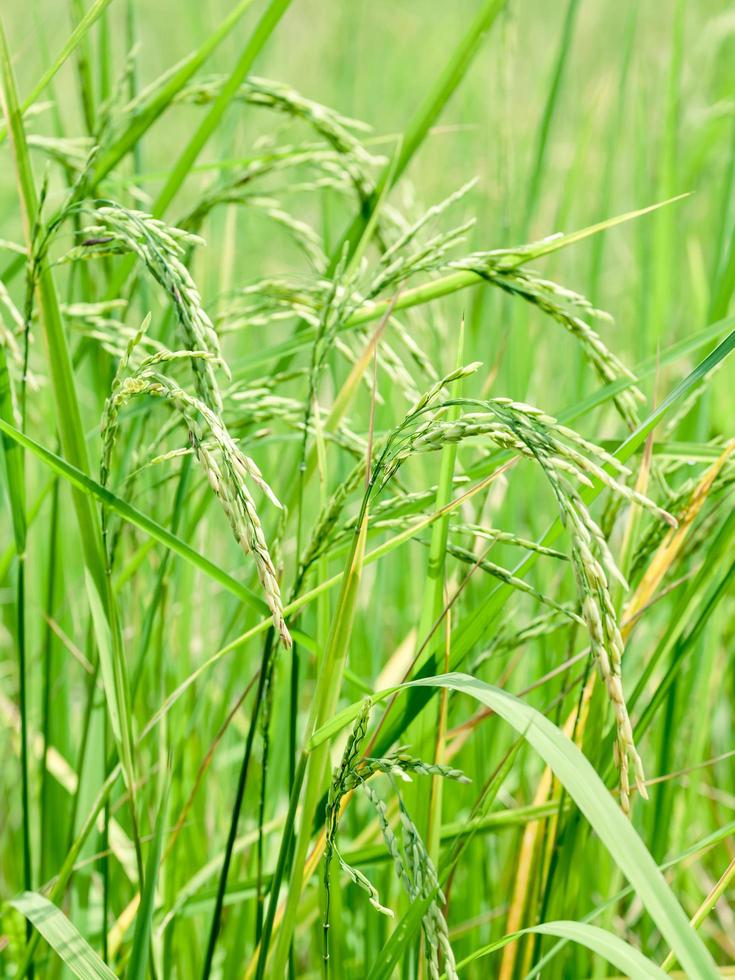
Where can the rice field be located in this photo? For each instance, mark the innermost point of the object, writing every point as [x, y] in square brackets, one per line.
[366, 486]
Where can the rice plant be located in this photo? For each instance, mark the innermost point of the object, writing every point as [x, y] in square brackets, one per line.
[366, 584]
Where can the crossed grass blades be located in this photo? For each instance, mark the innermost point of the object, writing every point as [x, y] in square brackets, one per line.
[313, 440]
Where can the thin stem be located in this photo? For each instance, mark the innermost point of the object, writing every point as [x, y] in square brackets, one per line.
[48, 649]
[235, 817]
[266, 723]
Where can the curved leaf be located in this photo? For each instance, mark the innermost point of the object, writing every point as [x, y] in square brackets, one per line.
[62, 936]
[610, 947]
[585, 787]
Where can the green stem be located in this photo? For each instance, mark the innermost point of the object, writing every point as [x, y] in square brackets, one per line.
[429, 111]
[84, 69]
[182, 167]
[48, 649]
[324, 705]
[23, 693]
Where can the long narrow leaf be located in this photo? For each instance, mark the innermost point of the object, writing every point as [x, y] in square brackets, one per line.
[142, 121]
[62, 936]
[72, 43]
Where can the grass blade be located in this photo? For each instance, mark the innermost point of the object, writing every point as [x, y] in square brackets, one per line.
[76, 37]
[430, 110]
[62, 936]
[608, 946]
[552, 97]
[138, 519]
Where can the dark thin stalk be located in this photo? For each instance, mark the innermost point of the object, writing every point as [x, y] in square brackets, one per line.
[21, 531]
[292, 737]
[292, 720]
[234, 820]
[266, 723]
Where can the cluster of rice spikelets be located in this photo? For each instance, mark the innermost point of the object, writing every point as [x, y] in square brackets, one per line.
[509, 635]
[317, 167]
[269, 301]
[417, 874]
[15, 328]
[566, 307]
[329, 516]
[227, 468]
[257, 406]
[349, 160]
[413, 865]
[327, 303]
[162, 249]
[567, 460]
[562, 454]
[406, 254]
[336, 129]
[99, 322]
[234, 192]
[331, 512]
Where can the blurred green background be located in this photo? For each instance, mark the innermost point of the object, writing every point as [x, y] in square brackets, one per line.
[644, 112]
